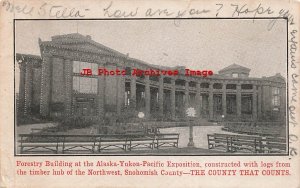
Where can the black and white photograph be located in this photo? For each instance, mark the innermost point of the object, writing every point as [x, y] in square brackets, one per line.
[203, 87]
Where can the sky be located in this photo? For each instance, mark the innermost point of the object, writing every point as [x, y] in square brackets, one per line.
[198, 44]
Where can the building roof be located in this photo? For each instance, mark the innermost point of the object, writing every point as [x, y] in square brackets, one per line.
[276, 77]
[76, 41]
[76, 38]
[23, 59]
[235, 67]
[22, 56]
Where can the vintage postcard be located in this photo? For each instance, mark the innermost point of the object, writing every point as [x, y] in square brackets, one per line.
[176, 94]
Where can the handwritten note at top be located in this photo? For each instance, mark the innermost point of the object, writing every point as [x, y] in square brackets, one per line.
[45, 9]
[109, 10]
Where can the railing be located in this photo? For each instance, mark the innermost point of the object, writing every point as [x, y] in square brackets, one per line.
[78, 143]
[244, 144]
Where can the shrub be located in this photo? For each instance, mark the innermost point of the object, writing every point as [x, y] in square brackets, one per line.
[31, 119]
[126, 115]
[76, 122]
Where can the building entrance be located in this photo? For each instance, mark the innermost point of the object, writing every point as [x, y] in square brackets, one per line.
[85, 106]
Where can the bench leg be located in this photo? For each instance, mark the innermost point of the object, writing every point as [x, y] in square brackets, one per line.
[21, 150]
[99, 147]
[63, 148]
[129, 147]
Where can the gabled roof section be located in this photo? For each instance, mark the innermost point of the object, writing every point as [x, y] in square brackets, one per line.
[235, 67]
[22, 57]
[80, 42]
[277, 78]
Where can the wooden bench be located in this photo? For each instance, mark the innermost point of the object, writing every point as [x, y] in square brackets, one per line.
[234, 143]
[219, 140]
[142, 142]
[35, 142]
[245, 143]
[78, 143]
[106, 142]
[166, 140]
[274, 145]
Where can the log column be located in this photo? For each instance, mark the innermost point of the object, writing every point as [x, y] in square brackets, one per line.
[224, 107]
[101, 94]
[238, 100]
[266, 100]
[282, 103]
[28, 88]
[254, 104]
[186, 93]
[121, 92]
[161, 95]
[68, 70]
[147, 95]
[198, 100]
[21, 103]
[259, 101]
[45, 85]
[211, 102]
[133, 92]
[173, 98]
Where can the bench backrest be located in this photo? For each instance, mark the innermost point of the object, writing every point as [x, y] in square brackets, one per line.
[34, 138]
